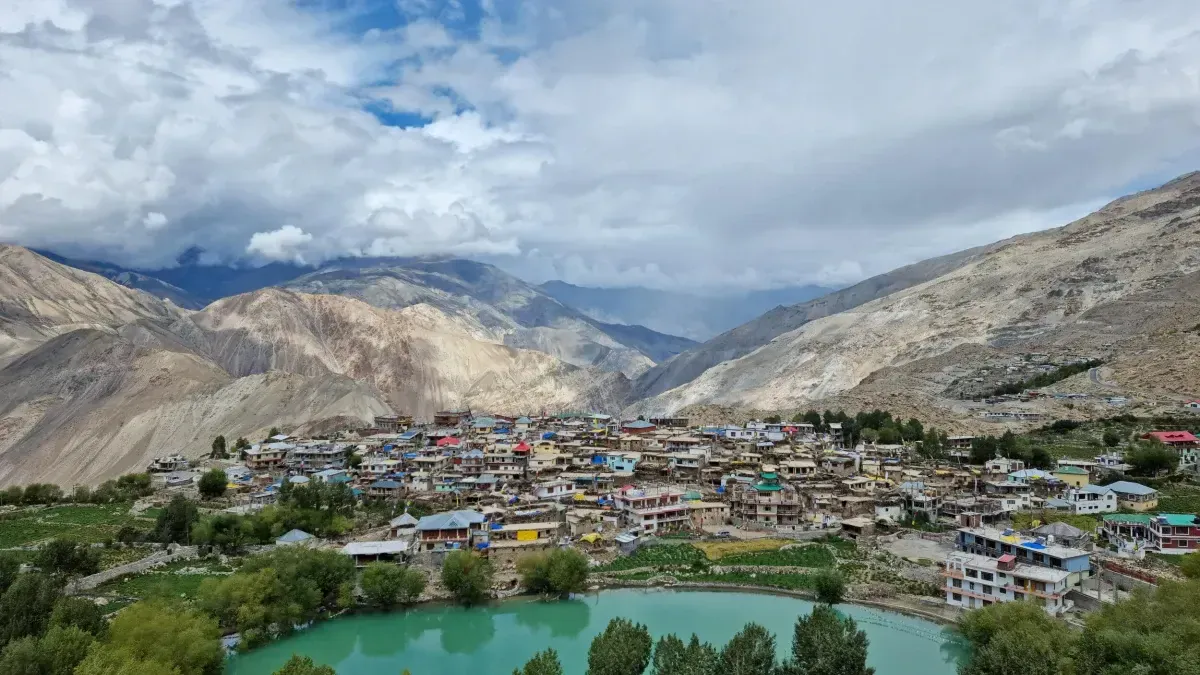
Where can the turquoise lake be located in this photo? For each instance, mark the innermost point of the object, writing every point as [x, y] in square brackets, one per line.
[501, 637]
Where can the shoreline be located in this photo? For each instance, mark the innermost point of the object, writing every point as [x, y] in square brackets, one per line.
[897, 608]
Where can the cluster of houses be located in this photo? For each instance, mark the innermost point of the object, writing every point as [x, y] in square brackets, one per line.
[505, 485]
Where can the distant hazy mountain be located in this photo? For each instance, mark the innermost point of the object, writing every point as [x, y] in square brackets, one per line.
[493, 304]
[694, 316]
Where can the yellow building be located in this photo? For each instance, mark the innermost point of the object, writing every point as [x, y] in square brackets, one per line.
[1072, 475]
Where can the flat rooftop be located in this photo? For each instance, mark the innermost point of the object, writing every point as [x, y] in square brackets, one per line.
[1024, 542]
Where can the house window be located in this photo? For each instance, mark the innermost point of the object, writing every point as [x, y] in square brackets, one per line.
[973, 574]
[957, 583]
[987, 590]
[987, 576]
[1018, 596]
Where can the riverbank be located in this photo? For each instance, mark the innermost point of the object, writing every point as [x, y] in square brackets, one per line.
[896, 605]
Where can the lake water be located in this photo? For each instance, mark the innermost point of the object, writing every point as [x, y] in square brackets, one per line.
[501, 637]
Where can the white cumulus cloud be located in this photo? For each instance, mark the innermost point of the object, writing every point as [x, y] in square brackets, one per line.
[670, 143]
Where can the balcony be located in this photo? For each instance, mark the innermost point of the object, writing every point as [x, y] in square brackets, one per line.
[655, 510]
[1036, 593]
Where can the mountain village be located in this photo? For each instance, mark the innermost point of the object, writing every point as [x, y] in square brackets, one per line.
[948, 535]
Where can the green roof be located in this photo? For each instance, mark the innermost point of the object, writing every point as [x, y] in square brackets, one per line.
[1178, 519]
[692, 495]
[770, 475]
[768, 488]
[1129, 518]
[1071, 470]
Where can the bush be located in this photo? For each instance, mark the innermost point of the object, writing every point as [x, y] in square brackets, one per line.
[830, 587]
[385, 585]
[212, 484]
[559, 572]
[468, 577]
[62, 556]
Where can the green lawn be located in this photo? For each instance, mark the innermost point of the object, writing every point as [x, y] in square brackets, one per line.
[89, 523]
[1179, 499]
[163, 582]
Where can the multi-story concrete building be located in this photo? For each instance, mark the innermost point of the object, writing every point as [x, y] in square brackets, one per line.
[767, 503]
[974, 581]
[1038, 551]
[652, 509]
[1091, 499]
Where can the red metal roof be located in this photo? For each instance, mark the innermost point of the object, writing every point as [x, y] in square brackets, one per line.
[1007, 558]
[1173, 436]
[449, 440]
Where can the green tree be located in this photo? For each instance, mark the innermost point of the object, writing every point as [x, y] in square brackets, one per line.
[79, 613]
[824, 643]
[58, 652]
[10, 567]
[179, 637]
[467, 576]
[68, 558]
[13, 495]
[1190, 566]
[1151, 633]
[673, 657]
[241, 444]
[889, 435]
[622, 649]
[104, 659]
[814, 418]
[1111, 438]
[133, 485]
[914, 430]
[559, 572]
[830, 586]
[303, 665]
[273, 433]
[272, 593]
[228, 532]
[218, 448]
[385, 585]
[750, 652]
[26, 606]
[1016, 637]
[542, 663]
[773, 419]
[869, 435]
[1149, 458]
[212, 484]
[174, 523]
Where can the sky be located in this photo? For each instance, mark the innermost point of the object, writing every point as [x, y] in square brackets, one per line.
[671, 144]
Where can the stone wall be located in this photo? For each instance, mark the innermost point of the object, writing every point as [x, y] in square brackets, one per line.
[151, 561]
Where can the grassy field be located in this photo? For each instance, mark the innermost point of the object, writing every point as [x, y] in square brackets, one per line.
[1179, 499]
[89, 523]
[179, 579]
[813, 555]
[1023, 520]
[717, 550]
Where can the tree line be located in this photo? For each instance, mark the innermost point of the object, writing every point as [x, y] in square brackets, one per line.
[1151, 633]
[822, 642]
[127, 488]
[1044, 379]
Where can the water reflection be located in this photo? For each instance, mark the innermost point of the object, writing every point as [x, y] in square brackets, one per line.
[466, 631]
[564, 618]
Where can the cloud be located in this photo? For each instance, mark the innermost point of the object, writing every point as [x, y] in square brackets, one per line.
[285, 244]
[675, 144]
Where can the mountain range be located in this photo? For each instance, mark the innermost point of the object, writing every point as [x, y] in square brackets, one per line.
[103, 367]
[698, 317]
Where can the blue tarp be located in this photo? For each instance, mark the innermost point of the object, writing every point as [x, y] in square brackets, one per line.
[481, 545]
[388, 447]
[410, 455]
[496, 526]
[548, 435]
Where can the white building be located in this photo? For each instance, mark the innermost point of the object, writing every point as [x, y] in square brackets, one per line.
[652, 509]
[974, 581]
[1092, 499]
[554, 489]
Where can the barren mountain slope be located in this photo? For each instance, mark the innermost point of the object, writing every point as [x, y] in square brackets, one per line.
[90, 405]
[744, 339]
[417, 357]
[1017, 290]
[507, 309]
[40, 299]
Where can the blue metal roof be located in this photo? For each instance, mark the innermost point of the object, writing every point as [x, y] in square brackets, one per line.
[1130, 488]
[451, 520]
